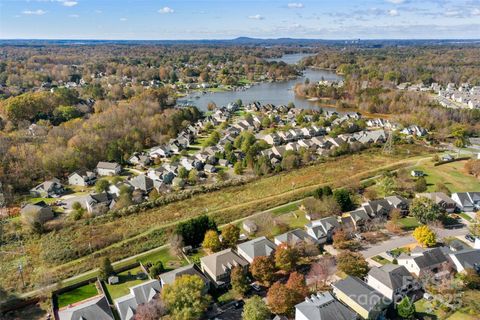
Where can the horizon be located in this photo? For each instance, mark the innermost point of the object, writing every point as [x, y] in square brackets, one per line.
[149, 20]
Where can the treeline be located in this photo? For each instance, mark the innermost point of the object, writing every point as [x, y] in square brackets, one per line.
[112, 133]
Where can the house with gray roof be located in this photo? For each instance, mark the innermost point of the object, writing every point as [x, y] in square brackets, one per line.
[108, 168]
[99, 203]
[169, 278]
[466, 259]
[422, 261]
[259, 247]
[380, 208]
[48, 189]
[360, 297]
[441, 199]
[323, 306]
[467, 201]
[399, 202]
[94, 308]
[142, 183]
[359, 218]
[293, 237]
[218, 266]
[38, 212]
[82, 178]
[393, 281]
[139, 294]
[322, 230]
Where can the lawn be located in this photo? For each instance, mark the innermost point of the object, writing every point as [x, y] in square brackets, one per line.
[466, 217]
[127, 279]
[398, 251]
[409, 223]
[451, 174]
[76, 295]
[380, 260]
[169, 261]
[285, 209]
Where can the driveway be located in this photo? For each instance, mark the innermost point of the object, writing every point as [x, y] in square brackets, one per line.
[401, 241]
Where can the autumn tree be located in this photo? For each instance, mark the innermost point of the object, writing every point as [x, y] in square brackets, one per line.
[353, 264]
[255, 309]
[286, 257]
[186, 297]
[230, 235]
[280, 299]
[152, 310]
[425, 236]
[263, 269]
[322, 272]
[394, 225]
[296, 283]
[211, 242]
[239, 281]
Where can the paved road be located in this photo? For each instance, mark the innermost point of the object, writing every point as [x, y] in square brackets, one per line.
[401, 241]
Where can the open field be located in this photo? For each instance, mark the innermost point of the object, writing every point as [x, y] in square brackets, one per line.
[76, 295]
[119, 237]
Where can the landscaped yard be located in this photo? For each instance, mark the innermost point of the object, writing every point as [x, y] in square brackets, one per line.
[451, 174]
[380, 260]
[409, 223]
[169, 261]
[126, 279]
[76, 295]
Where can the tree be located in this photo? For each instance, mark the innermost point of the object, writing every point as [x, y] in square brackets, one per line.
[459, 132]
[152, 310]
[263, 269]
[353, 264]
[182, 173]
[239, 281]
[280, 299]
[421, 184]
[193, 230]
[321, 208]
[211, 241]
[470, 278]
[106, 269]
[441, 187]
[186, 297]
[343, 198]
[387, 185]
[425, 236]
[322, 272]
[193, 176]
[102, 185]
[238, 168]
[156, 269]
[394, 225]
[286, 257]
[230, 235]
[211, 106]
[176, 244]
[340, 240]
[296, 283]
[255, 309]
[425, 210]
[406, 308]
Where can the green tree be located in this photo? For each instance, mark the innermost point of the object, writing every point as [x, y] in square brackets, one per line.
[459, 132]
[230, 235]
[193, 176]
[193, 230]
[211, 241]
[286, 257]
[102, 185]
[425, 210]
[421, 184]
[353, 264]
[105, 269]
[186, 297]
[343, 198]
[406, 308]
[156, 269]
[238, 168]
[239, 281]
[255, 309]
[182, 173]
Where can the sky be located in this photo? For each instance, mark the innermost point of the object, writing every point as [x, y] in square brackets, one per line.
[227, 19]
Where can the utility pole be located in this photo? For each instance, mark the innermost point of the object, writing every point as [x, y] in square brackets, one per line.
[20, 270]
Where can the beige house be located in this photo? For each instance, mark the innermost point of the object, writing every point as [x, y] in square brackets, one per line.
[218, 266]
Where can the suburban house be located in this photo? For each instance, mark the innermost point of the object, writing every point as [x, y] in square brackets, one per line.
[467, 201]
[160, 152]
[441, 199]
[380, 208]
[400, 203]
[421, 261]
[99, 203]
[48, 189]
[169, 278]
[139, 159]
[82, 178]
[258, 247]
[92, 308]
[116, 188]
[466, 259]
[141, 293]
[249, 226]
[360, 297]
[108, 168]
[323, 306]
[393, 281]
[142, 182]
[292, 237]
[42, 211]
[218, 266]
[322, 230]
[359, 218]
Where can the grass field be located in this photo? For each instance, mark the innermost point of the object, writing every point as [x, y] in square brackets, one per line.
[76, 295]
[451, 174]
[127, 279]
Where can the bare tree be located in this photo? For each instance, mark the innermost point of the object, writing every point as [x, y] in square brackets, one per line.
[176, 244]
[152, 310]
[321, 272]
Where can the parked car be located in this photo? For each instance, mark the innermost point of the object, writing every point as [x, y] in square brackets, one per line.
[256, 287]
[427, 296]
[238, 304]
[470, 238]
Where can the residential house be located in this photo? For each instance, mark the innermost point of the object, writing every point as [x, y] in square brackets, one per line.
[322, 230]
[94, 308]
[400, 203]
[115, 189]
[323, 306]
[139, 294]
[380, 208]
[219, 265]
[466, 259]
[108, 168]
[441, 199]
[393, 281]
[38, 211]
[142, 183]
[249, 226]
[273, 139]
[467, 201]
[160, 152]
[293, 237]
[259, 247]
[422, 261]
[360, 297]
[359, 219]
[99, 203]
[140, 159]
[209, 168]
[82, 178]
[168, 278]
[48, 189]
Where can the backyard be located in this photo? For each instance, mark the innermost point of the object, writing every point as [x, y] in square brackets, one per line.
[76, 295]
[127, 279]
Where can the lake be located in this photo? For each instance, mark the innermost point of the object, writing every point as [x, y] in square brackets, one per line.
[268, 92]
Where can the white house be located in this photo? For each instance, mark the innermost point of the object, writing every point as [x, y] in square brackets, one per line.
[467, 201]
[393, 281]
[108, 168]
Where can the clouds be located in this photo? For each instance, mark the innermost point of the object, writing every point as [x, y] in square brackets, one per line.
[69, 3]
[166, 10]
[295, 5]
[396, 1]
[256, 17]
[393, 12]
[38, 12]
